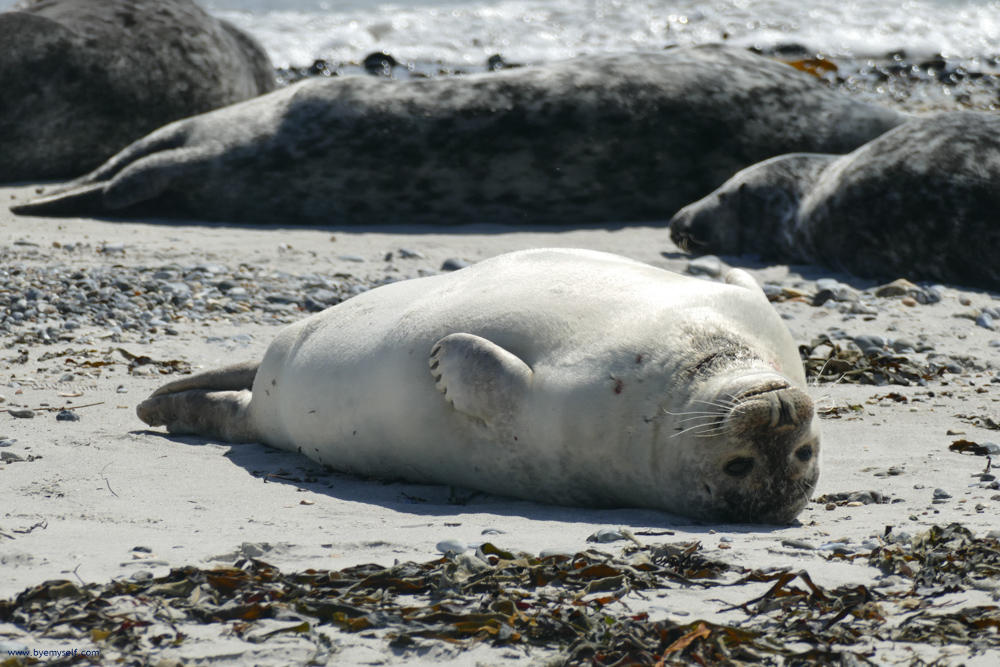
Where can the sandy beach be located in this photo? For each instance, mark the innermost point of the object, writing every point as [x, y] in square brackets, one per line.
[104, 498]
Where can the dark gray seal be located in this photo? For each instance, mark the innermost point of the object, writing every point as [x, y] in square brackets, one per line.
[921, 201]
[619, 138]
[82, 79]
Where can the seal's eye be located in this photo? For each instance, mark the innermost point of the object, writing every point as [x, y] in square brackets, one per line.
[804, 453]
[740, 467]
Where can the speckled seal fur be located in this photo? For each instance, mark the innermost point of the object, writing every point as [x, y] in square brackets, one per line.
[921, 202]
[616, 138]
[81, 79]
[564, 376]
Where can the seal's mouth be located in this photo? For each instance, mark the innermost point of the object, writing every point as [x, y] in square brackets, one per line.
[693, 231]
[778, 506]
[686, 241]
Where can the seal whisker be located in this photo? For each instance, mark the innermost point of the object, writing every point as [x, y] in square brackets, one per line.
[802, 489]
[814, 382]
[711, 417]
[719, 431]
[708, 430]
[722, 406]
[823, 399]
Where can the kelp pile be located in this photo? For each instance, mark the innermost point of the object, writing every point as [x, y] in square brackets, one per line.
[579, 605]
[943, 560]
[827, 361]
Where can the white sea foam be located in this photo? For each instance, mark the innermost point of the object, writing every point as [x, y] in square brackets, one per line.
[459, 32]
[456, 33]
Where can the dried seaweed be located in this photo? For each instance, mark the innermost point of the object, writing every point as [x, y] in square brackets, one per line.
[86, 360]
[968, 447]
[575, 604]
[942, 560]
[841, 364]
[845, 497]
[982, 421]
[163, 367]
[837, 411]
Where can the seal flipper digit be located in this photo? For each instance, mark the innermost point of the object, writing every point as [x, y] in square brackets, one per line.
[480, 378]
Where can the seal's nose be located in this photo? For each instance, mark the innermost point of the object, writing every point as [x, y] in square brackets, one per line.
[777, 411]
[682, 231]
[790, 408]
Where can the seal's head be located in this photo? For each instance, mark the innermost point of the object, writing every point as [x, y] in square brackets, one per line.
[756, 211]
[759, 457]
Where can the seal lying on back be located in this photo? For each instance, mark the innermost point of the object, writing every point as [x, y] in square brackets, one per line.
[563, 376]
[921, 201]
[81, 79]
[616, 138]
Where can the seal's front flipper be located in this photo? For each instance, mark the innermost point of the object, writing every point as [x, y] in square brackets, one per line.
[222, 415]
[480, 378]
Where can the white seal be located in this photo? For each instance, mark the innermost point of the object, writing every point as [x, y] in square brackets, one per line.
[563, 376]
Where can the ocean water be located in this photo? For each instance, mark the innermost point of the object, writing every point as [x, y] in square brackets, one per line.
[465, 33]
[462, 33]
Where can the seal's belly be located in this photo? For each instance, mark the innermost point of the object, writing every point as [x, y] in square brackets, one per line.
[603, 338]
[381, 416]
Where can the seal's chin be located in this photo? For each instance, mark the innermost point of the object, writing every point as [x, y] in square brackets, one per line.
[767, 453]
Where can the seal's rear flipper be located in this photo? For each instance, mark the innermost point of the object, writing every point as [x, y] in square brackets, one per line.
[741, 278]
[222, 415]
[87, 200]
[142, 172]
[480, 378]
[228, 378]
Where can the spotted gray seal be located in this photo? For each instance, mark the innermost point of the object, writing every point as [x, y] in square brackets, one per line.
[563, 376]
[612, 138]
[921, 201]
[81, 79]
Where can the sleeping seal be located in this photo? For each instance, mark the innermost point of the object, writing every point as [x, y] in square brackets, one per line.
[564, 376]
[81, 79]
[921, 201]
[612, 138]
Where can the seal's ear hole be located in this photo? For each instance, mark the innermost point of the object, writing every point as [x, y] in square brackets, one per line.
[804, 453]
[740, 467]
